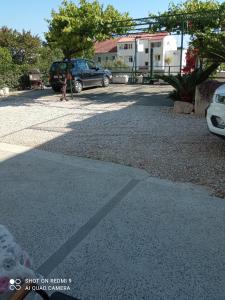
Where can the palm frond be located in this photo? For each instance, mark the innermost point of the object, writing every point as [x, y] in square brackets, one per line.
[185, 85]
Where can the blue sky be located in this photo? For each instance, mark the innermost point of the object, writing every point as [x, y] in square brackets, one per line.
[31, 15]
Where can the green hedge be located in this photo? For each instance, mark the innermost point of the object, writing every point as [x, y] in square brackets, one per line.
[15, 75]
[10, 78]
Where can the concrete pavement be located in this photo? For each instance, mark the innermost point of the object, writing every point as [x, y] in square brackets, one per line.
[113, 230]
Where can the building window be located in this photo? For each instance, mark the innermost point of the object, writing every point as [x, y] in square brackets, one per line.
[157, 57]
[146, 50]
[130, 59]
[113, 57]
[99, 59]
[126, 46]
[146, 63]
[122, 46]
[106, 58]
[155, 44]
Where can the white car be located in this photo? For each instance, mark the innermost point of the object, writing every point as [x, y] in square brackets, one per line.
[216, 112]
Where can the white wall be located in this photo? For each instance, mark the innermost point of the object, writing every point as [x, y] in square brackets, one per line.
[145, 57]
[175, 60]
[126, 53]
[168, 43]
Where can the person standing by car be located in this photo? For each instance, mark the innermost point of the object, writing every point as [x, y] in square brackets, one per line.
[63, 81]
[65, 78]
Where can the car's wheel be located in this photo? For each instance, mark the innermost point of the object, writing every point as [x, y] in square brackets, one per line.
[78, 87]
[56, 89]
[105, 81]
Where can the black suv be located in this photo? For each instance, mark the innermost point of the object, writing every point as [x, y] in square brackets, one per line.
[84, 73]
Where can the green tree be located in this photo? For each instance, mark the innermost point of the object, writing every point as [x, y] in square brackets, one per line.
[75, 28]
[21, 52]
[193, 16]
[22, 46]
[9, 72]
[204, 22]
[211, 46]
[5, 59]
[46, 56]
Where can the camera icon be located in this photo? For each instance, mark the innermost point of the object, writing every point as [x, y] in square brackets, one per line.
[15, 284]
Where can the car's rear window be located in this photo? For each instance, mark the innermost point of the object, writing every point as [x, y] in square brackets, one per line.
[61, 67]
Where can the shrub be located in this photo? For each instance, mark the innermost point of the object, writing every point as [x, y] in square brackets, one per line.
[185, 85]
[15, 75]
[10, 77]
[5, 59]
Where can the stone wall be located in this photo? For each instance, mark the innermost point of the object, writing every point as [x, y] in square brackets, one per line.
[203, 95]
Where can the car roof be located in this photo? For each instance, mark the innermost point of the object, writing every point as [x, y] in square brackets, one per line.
[66, 60]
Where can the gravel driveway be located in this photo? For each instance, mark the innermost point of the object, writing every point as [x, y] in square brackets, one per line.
[131, 125]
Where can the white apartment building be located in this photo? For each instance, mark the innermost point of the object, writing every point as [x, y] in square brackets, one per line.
[164, 46]
[166, 56]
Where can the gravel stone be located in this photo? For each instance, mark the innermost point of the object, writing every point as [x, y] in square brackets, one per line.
[130, 125]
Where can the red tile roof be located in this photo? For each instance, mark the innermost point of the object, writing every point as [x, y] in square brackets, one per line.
[110, 46]
[106, 46]
[143, 36]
